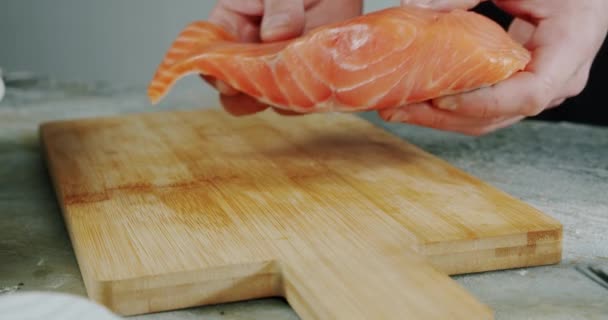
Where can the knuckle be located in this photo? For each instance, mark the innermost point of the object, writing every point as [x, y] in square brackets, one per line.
[562, 32]
[535, 101]
[577, 88]
[488, 110]
[434, 121]
[534, 105]
[488, 105]
[579, 84]
[556, 102]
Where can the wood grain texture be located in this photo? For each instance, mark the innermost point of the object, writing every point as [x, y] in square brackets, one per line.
[177, 209]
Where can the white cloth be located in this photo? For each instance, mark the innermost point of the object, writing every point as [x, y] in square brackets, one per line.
[51, 306]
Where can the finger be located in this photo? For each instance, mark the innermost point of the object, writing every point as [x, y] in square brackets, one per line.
[526, 93]
[286, 112]
[220, 86]
[283, 19]
[556, 103]
[244, 7]
[574, 87]
[244, 27]
[521, 31]
[523, 94]
[256, 7]
[423, 114]
[559, 55]
[497, 126]
[537, 10]
[317, 13]
[241, 104]
[313, 3]
[442, 4]
[579, 81]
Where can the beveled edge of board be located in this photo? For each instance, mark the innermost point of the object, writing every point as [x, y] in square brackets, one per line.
[91, 286]
[173, 291]
[514, 249]
[497, 258]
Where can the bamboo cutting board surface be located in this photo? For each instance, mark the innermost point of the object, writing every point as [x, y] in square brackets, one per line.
[177, 209]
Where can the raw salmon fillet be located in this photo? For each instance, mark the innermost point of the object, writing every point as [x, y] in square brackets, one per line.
[384, 59]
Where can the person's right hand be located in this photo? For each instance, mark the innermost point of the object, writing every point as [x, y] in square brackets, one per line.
[272, 20]
[564, 38]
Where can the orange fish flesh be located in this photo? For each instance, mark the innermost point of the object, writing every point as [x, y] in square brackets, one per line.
[384, 59]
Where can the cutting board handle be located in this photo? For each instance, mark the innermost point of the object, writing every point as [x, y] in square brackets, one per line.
[368, 286]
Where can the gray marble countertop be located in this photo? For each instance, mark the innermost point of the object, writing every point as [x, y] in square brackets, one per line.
[560, 168]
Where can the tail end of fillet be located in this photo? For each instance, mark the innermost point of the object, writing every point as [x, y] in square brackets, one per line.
[191, 42]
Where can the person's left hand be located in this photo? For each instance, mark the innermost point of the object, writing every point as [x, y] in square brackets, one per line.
[564, 37]
[261, 21]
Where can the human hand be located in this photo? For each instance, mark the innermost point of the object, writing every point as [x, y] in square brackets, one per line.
[268, 21]
[564, 37]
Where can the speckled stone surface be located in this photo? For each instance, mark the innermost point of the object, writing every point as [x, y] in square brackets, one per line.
[562, 169]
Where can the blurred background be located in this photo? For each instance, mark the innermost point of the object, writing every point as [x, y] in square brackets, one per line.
[115, 41]
[119, 43]
[101, 44]
[112, 40]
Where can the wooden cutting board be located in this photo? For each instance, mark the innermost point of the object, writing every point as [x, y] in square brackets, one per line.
[178, 209]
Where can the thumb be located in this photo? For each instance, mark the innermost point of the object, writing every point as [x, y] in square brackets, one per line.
[442, 4]
[283, 19]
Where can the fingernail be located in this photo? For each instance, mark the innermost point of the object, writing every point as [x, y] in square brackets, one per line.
[275, 24]
[225, 89]
[399, 116]
[417, 3]
[446, 103]
[228, 25]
